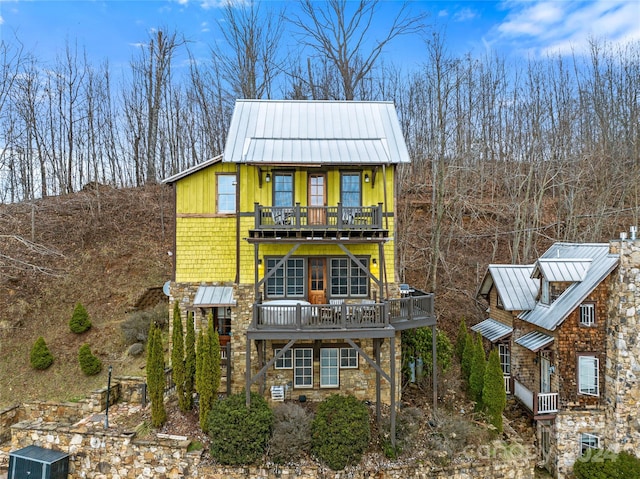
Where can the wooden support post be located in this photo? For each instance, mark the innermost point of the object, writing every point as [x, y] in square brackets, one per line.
[392, 355]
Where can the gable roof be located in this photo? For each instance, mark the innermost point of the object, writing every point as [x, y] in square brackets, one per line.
[602, 263]
[515, 286]
[562, 269]
[290, 132]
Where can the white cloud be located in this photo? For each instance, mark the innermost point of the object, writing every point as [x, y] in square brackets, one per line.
[544, 27]
[1, 20]
[464, 15]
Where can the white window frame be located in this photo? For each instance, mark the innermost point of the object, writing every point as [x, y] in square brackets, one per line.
[589, 384]
[303, 360]
[285, 361]
[225, 198]
[588, 441]
[348, 358]
[505, 358]
[587, 314]
[329, 368]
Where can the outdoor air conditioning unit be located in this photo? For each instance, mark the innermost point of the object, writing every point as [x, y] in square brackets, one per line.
[35, 462]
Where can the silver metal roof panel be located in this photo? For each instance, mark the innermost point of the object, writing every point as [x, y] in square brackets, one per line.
[515, 286]
[602, 264]
[208, 296]
[315, 132]
[534, 341]
[492, 330]
[562, 269]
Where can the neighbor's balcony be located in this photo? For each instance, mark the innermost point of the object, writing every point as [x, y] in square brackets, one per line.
[297, 315]
[538, 403]
[311, 218]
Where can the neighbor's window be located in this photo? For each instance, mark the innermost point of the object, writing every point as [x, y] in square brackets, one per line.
[588, 375]
[588, 441]
[288, 280]
[283, 189]
[505, 358]
[285, 361]
[587, 314]
[329, 375]
[348, 358]
[347, 279]
[350, 193]
[303, 368]
[226, 193]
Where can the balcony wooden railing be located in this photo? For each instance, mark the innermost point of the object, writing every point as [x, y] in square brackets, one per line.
[507, 384]
[307, 317]
[537, 403]
[318, 217]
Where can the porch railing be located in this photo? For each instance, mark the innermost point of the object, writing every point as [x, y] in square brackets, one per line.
[342, 316]
[318, 217]
[507, 384]
[537, 403]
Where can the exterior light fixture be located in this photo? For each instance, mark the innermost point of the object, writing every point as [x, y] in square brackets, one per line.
[366, 177]
[267, 178]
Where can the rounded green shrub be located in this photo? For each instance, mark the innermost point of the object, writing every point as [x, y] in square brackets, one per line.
[41, 357]
[601, 464]
[239, 434]
[80, 321]
[340, 431]
[89, 364]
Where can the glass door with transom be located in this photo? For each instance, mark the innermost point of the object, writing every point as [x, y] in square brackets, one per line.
[317, 199]
[317, 281]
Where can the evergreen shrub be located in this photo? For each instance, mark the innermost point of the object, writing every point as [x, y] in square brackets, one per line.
[601, 464]
[89, 364]
[340, 431]
[239, 434]
[494, 396]
[41, 357]
[80, 321]
[476, 377]
[461, 339]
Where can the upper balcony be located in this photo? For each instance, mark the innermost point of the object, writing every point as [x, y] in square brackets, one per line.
[539, 404]
[318, 221]
[297, 318]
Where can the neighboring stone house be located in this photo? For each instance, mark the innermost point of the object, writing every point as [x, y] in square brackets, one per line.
[574, 349]
[288, 240]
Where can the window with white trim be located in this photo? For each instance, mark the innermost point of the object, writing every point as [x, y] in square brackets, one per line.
[348, 358]
[588, 375]
[226, 193]
[505, 358]
[350, 189]
[329, 372]
[288, 280]
[347, 279]
[303, 368]
[588, 441]
[285, 361]
[587, 314]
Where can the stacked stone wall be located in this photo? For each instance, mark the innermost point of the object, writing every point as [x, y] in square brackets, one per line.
[622, 372]
[568, 427]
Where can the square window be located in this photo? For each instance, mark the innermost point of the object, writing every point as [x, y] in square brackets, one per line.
[588, 442]
[348, 358]
[587, 314]
[285, 361]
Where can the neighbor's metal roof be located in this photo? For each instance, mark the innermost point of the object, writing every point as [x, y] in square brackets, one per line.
[602, 263]
[534, 341]
[315, 132]
[193, 169]
[515, 287]
[492, 330]
[208, 296]
[562, 269]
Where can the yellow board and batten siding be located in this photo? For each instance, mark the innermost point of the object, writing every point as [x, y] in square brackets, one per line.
[206, 240]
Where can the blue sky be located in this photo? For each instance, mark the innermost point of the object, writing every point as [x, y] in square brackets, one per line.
[114, 29]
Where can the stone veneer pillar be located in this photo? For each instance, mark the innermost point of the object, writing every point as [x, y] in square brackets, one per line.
[622, 369]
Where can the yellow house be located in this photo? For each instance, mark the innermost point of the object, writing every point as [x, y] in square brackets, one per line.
[288, 239]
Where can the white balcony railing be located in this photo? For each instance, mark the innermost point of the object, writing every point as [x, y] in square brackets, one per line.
[547, 403]
[507, 384]
[537, 403]
[523, 394]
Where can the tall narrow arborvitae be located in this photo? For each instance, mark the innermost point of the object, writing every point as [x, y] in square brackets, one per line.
[476, 378]
[494, 395]
[461, 340]
[177, 358]
[205, 379]
[199, 350]
[467, 357]
[155, 377]
[214, 349]
[190, 362]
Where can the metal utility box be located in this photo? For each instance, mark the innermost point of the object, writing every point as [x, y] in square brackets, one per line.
[33, 462]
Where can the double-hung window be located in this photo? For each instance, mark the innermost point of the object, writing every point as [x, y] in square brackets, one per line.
[226, 193]
[350, 190]
[347, 279]
[283, 189]
[505, 358]
[587, 314]
[588, 442]
[288, 280]
[303, 368]
[588, 375]
[329, 368]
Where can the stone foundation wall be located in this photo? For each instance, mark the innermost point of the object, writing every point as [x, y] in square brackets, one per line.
[8, 417]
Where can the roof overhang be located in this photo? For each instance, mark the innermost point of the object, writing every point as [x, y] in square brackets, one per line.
[492, 330]
[211, 296]
[535, 341]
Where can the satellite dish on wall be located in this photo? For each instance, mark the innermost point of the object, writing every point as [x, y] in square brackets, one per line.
[166, 288]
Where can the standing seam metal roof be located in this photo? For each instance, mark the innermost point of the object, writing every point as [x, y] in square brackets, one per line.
[492, 330]
[315, 132]
[515, 287]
